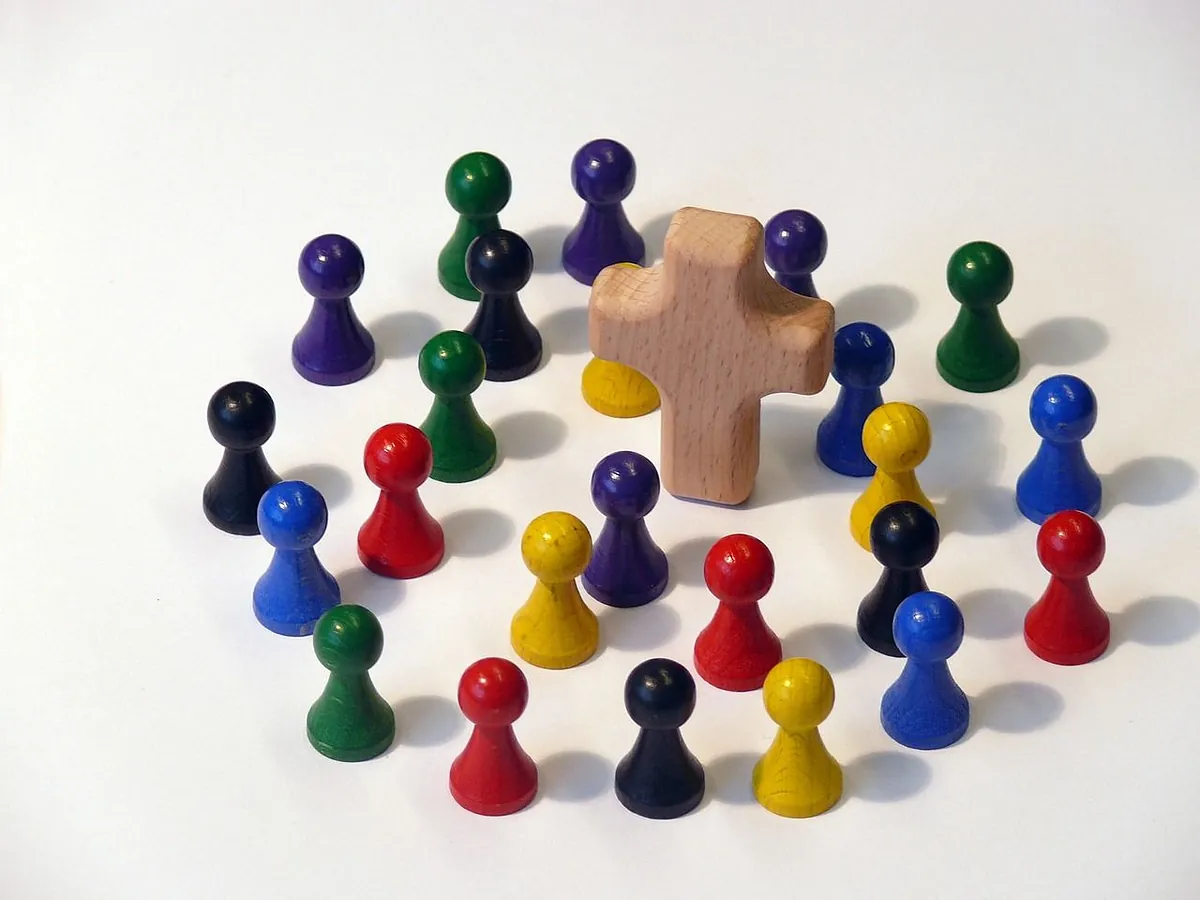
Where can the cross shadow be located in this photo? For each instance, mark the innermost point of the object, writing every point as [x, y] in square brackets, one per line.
[565, 331]
[728, 779]
[639, 628]
[837, 647]
[546, 242]
[687, 561]
[476, 532]
[885, 305]
[332, 482]
[1158, 621]
[426, 721]
[1147, 481]
[528, 435]
[654, 233]
[993, 614]
[364, 588]
[1063, 341]
[1015, 707]
[401, 335]
[788, 466]
[886, 776]
[574, 776]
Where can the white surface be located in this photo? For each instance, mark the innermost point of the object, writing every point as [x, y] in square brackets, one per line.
[164, 163]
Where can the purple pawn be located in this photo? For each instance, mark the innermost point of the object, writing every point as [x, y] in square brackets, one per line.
[627, 567]
[795, 246]
[333, 347]
[602, 173]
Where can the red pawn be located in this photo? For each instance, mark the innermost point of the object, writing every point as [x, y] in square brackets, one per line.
[1067, 626]
[493, 776]
[400, 539]
[737, 649]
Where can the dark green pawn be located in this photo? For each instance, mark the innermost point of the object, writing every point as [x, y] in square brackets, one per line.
[452, 366]
[478, 186]
[350, 722]
[978, 354]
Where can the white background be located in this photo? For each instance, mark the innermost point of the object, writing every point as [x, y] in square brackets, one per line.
[162, 164]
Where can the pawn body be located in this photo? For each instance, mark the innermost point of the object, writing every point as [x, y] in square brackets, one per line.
[1067, 626]
[925, 709]
[478, 186]
[554, 629]
[904, 539]
[896, 438]
[499, 264]
[400, 539]
[798, 777]
[617, 390]
[1063, 413]
[978, 354]
[863, 358]
[660, 778]
[603, 173]
[241, 418]
[296, 590]
[333, 347]
[796, 244]
[452, 365]
[627, 567]
[737, 649]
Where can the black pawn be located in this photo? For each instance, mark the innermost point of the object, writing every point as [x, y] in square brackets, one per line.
[659, 778]
[904, 538]
[241, 417]
[499, 264]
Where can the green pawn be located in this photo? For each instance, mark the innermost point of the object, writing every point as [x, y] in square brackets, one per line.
[452, 365]
[478, 186]
[978, 354]
[350, 722]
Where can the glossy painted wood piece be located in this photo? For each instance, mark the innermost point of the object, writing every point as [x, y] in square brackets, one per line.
[897, 439]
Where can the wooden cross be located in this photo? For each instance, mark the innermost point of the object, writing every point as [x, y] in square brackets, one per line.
[715, 333]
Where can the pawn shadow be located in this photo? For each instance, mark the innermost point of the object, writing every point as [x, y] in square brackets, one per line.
[332, 482]
[1148, 481]
[401, 335]
[477, 532]
[789, 467]
[546, 242]
[1159, 621]
[528, 435]
[1062, 341]
[1015, 707]
[886, 305]
[728, 779]
[641, 628]
[837, 647]
[886, 776]
[654, 233]
[686, 560]
[993, 614]
[426, 721]
[574, 776]
[565, 331]
[364, 588]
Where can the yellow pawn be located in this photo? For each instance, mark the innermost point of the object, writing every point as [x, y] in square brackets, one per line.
[617, 390]
[797, 777]
[555, 629]
[896, 438]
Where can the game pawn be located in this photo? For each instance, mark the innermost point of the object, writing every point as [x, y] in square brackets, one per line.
[555, 629]
[493, 776]
[333, 347]
[863, 358]
[400, 539]
[896, 439]
[241, 418]
[796, 244]
[478, 186]
[452, 365]
[978, 354]
[904, 539]
[627, 568]
[500, 264]
[350, 722]
[797, 777]
[1067, 626]
[737, 649]
[924, 708]
[660, 778]
[296, 590]
[616, 390]
[1063, 413]
[602, 173]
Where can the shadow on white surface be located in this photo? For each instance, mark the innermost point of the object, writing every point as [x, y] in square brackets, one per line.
[1061, 341]
[886, 776]
[565, 331]
[1147, 481]
[365, 588]
[574, 776]
[333, 482]
[728, 779]
[401, 335]
[1015, 707]
[643, 628]
[1155, 622]
[477, 532]
[886, 305]
[546, 242]
[789, 465]
[426, 721]
[528, 435]
[654, 233]
[686, 560]
[994, 613]
[837, 647]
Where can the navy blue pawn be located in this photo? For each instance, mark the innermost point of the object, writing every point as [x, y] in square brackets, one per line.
[660, 778]
[925, 709]
[627, 567]
[602, 173]
[241, 417]
[333, 347]
[499, 264]
[296, 589]
[904, 538]
[795, 245]
[1063, 413]
[863, 359]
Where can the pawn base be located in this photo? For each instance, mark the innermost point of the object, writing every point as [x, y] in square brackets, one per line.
[619, 599]
[385, 569]
[461, 475]
[493, 807]
[1068, 657]
[239, 525]
[361, 753]
[334, 379]
[978, 385]
[618, 391]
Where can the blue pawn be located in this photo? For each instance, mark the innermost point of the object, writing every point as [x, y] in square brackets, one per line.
[296, 589]
[795, 244]
[924, 708]
[1063, 413]
[863, 357]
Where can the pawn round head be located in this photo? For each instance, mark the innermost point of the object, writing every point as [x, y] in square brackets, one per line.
[241, 416]
[398, 458]
[603, 172]
[798, 694]
[452, 364]
[292, 515]
[904, 535]
[499, 262]
[660, 694]
[1070, 544]
[493, 693]
[796, 242]
[739, 569]
[979, 274]
[928, 627]
[863, 356]
[331, 267]
[1063, 409]
[478, 184]
[348, 639]
[556, 547]
[625, 485]
[896, 437]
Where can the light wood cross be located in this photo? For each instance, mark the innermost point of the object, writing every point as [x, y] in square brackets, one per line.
[715, 333]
